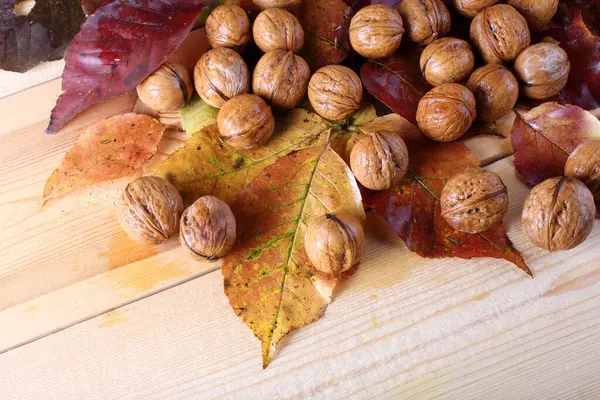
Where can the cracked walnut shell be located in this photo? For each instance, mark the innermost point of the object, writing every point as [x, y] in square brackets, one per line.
[167, 89]
[558, 214]
[496, 91]
[245, 122]
[474, 200]
[277, 29]
[584, 164]
[470, 8]
[447, 60]
[425, 20]
[335, 92]
[376, 31]
[542, 70]
[228, 26]
[538, 13]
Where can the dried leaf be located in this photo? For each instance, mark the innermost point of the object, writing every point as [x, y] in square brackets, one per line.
[267, 277]
[197, 114]
[109, 149]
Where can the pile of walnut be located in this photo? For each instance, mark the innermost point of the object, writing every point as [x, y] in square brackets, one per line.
[558, 214]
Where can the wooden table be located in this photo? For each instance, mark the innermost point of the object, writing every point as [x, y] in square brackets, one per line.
[85, 313]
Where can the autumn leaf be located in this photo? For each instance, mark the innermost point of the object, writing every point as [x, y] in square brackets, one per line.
[267, 277]
[206, 166]
[197, 114]
[90, 6]
[117, 47]
[109, 149]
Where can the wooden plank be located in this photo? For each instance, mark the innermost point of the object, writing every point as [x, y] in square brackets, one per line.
[14, 82]
[402, 327]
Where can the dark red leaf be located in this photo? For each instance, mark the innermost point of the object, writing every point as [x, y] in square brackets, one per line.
[90, 6]
[590, 10]
[116, 48]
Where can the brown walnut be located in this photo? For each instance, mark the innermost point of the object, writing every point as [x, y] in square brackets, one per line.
[207, 229]
[221, 74]
[149, 210]
[542, 70]
[281, 78]
[584, 164]
[447, 60]
[166, 89]
[446, 112]
[470, 8]
[334, 243]
[500, 34]
[288, 4]
[245, 121]
[335, 92]
[228, 26]
[277, 29]
[425, 20]
[538, 13]
[474, 201]
[379, 160]
[559, 214]
[496, 91]
[376, 31]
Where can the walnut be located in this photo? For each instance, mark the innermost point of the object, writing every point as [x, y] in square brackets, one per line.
[474, 200]
[425, 20]
[149, 210]
[446, 112]
[245, 121]
[538, 13]
[334, 243]
[447, 60]
[276, 29]
[500, 33]
[221, 74]
[376, 31]
[335, 92]
[470, 8]
[559, 214]
[208, 229]
[288, 4]
[542, 70]
[496, 91]
[167, 89]
[281, 78]
[228, 26]
[584, 164]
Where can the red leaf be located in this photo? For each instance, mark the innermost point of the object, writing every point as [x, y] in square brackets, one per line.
[412, 209]
[90, 6]
[116, 48]
[543, 138]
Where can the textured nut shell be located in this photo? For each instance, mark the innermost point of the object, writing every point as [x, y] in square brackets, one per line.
[167, 89]
[379, 160]
[335, 92]
[558, 214]
[264, 4]
[245, 121]
[221, 74]
[542, 70]
[228, 26]
[446, 112]
[425, 20]
[470, 8]
[474, 201]
[376, 31]
[207, 229]
[281, 78]
[149, 210]
[276, 29]
[447, 60]
[496, 91]
[500, 34]
[584, 164]
[538, 13]
[334, 243]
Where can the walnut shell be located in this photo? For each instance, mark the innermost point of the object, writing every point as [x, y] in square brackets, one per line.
[379, 160]
[149, 210]
[542, 70]
[446, 112]
[166, 89]
[496, 91]
[500, 34]
[559, 214]
[447, 60]
[335, 92]
[470, 8]
[376, 31]
[334, 243]
[281, 78]
[207, 229]
[228, 26]
[221, 74]
[288, 4]
[538, 13]
[425, 20]
[245, 121]
[276, 29]
[474, 200]
[584, 164]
